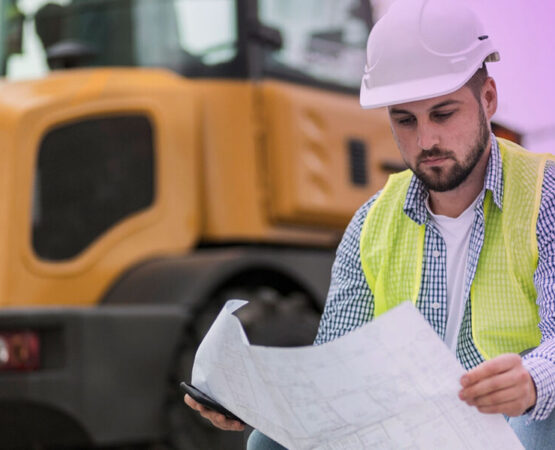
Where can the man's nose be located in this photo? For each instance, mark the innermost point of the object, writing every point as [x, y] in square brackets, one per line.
[427, 137]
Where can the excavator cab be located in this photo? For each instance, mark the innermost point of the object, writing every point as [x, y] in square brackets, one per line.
[311, 42]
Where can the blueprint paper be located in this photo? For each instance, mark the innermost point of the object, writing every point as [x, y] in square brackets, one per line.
[376, 387]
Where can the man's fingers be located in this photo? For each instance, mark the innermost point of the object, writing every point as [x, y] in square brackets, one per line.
[217, 419]
[492, 384]
[512, 409]
[192, 403]
[500, 385]
[492, 367]
[498, 397]
[221, 421]
[512, 401]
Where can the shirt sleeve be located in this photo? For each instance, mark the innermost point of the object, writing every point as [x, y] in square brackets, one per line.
[540, 363]
[349, 303]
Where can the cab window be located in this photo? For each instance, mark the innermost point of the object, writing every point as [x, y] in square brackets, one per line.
[323, 40]
[90, 175]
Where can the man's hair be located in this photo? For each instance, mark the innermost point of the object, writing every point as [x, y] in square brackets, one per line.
[477, 81]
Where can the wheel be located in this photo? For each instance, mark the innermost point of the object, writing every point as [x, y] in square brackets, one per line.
[271, 319]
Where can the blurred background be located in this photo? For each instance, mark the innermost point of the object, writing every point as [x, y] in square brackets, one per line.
[526, 91]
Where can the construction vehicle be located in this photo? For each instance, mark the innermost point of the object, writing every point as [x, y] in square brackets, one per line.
[159, 157]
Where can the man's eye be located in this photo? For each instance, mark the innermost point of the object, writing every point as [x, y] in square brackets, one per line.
[442, 116]
[406, 121]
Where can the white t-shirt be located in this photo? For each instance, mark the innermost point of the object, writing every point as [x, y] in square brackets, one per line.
[456, 234]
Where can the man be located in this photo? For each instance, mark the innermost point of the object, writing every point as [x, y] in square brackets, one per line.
[468, 234]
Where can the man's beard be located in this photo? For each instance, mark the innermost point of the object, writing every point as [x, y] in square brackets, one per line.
[441, 179]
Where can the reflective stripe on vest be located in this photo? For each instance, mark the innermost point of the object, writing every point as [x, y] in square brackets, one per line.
[503, 297]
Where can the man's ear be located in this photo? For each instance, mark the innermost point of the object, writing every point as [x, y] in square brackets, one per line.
[489, 97]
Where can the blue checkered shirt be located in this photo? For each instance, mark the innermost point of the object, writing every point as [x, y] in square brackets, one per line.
[350, 302]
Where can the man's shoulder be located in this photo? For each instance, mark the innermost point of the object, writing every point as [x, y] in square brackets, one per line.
[362, 212]
[545, 160]
[354, 228]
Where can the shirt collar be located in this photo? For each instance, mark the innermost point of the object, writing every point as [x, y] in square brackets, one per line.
[415, 201]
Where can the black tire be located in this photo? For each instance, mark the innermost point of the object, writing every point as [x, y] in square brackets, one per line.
[271, 319]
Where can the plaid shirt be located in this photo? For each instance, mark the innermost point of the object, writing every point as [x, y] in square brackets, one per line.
[350, 301]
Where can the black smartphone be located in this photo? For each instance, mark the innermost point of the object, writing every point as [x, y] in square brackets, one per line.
[204, 400]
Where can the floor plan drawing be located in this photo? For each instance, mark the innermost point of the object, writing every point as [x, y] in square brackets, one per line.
[373, 388]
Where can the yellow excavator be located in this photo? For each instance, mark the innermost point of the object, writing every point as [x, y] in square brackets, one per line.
[157, 158]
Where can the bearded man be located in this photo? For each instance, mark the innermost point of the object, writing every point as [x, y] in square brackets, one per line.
[467, 233]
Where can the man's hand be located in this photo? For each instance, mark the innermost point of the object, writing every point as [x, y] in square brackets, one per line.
[500, 385]
[218, 420]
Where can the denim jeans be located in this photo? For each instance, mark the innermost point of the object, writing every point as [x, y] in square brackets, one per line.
[259, 441]
[537, 435]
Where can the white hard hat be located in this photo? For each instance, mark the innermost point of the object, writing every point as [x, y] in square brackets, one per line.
[422, 49]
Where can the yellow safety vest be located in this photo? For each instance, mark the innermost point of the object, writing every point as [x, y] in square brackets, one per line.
[503, 297]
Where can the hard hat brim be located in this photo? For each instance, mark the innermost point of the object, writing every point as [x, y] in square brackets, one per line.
[411, 91]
